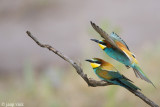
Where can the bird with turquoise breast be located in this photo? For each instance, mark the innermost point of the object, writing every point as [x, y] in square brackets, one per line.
[117, 49]
[107, 72]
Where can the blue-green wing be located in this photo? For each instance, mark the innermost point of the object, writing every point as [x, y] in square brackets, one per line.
[116, 78]
[109, 75]
[115, 75]
[114, 36]
[122, 81]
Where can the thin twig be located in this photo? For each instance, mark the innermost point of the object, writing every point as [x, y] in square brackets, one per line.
[91, 82]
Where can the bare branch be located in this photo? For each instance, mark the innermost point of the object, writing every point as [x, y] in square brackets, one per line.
[91, 82]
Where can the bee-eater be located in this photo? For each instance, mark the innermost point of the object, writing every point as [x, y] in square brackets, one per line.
[117, 49]
[107, 72]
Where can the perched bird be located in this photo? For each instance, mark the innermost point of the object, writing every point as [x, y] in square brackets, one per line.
[117, 49]
[107, 72]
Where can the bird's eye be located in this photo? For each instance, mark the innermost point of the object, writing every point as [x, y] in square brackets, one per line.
[103, 43]
[98, 62]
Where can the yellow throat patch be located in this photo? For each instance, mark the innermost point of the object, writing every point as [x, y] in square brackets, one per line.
[95, 65]
[102, 46]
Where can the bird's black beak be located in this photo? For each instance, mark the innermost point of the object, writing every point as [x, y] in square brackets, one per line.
[95, 40]
[88, 60]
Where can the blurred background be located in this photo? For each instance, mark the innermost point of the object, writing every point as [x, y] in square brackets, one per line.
[36, 77]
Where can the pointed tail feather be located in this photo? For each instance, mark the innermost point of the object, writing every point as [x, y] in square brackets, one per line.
[140, 74]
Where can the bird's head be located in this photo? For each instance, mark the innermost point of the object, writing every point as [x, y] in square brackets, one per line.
[101, 43]
[95, 62]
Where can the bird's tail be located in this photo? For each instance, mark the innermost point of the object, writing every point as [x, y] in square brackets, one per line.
[140, 74]
[127, 84]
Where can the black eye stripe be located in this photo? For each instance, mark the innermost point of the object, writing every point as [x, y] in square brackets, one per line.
[102, 43]
[98, 62]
